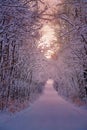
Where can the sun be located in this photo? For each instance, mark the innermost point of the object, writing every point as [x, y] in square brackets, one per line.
[48, 43]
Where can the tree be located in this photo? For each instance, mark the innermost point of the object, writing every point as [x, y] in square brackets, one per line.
[74, 46]
[19, 27]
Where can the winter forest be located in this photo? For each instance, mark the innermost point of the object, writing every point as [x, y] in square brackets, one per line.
[41, 40]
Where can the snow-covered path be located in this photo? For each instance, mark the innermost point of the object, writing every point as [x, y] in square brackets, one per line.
[49, 112]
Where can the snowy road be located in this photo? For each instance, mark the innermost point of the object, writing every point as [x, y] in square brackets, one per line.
[49, 112]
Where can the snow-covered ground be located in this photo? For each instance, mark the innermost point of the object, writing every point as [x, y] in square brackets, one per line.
[49, 112]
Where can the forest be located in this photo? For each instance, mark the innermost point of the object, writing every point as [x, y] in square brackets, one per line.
[38, 42]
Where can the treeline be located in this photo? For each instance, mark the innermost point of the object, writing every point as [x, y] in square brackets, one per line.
[19, 26]
[72, 18]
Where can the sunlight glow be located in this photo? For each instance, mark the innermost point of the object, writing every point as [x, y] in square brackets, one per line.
[49, 54]
[48, 43]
